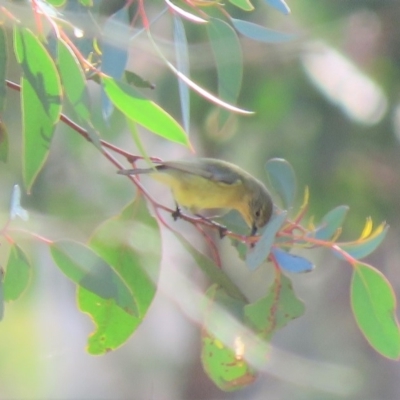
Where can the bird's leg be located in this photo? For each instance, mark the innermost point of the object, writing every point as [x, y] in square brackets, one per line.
[221, 229]
[177, 213]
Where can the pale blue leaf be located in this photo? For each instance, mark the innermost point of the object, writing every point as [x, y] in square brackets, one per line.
[283, 180]
[15, 209]
[290, 262]
[259, 33]
[114, 52]
[183, 66]
[257, 255]
[330, 223]
[362, 249]
[279, 5]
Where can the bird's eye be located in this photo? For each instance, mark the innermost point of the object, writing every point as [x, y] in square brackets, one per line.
[257, 213]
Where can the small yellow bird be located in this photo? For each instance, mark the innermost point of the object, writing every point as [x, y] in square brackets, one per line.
[206, 183]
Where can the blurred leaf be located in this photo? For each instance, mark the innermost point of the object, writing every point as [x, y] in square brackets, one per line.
[144, 111]
[18, 274]
[87, 3]
[130, 243]
[114, 49]
[330, 223]
[87, 269]
[41, 101]
[136, 80]
[243, 4]
[275, 310]
[223, 351]
[290, 262]
[360, 249]
[16, 210]
[260, 252]
[215, 274]
[3, 70]
[280, 5]
[183, 66]
[374, 308]
[228, 58]
[56, 3]
[283, 180]
[3, 142]
[259, 33]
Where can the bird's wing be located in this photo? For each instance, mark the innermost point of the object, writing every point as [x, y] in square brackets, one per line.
[212, 171]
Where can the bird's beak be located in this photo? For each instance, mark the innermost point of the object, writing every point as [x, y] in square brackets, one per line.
[253, 230]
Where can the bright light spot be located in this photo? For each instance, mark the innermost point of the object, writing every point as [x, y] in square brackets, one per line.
[78, 32]
[344, 84]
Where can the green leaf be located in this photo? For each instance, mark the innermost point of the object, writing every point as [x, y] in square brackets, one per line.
[18, 274]
[259, 33]
[361, 249]
[374, 307]
[144, 111]
[260, 252]
[87, 269]
[3, 70]
[228, 57]
[74, 81]
[221, 363]
[275, 310]
[215, 274]
[57, 3]
[283, 180]
[223, 349]
[330, 223]
[3, 142]
[130, 243]
[86, 3]
[41, 100]
[243, 4]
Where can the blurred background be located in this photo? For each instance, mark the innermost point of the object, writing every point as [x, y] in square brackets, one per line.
[329, 103]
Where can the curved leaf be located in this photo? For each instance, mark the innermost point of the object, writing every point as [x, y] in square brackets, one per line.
[283, 180]
[182, 62]
[131, 245]
[18, 274]
[280, 5]
[228, 58]
[88, 270]
[361, 249]
[330, 223]
[143, 111]
[243, 4]
[260, 252]
[259, 33]
[374, 307]
[41, 100]
[292, 263]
